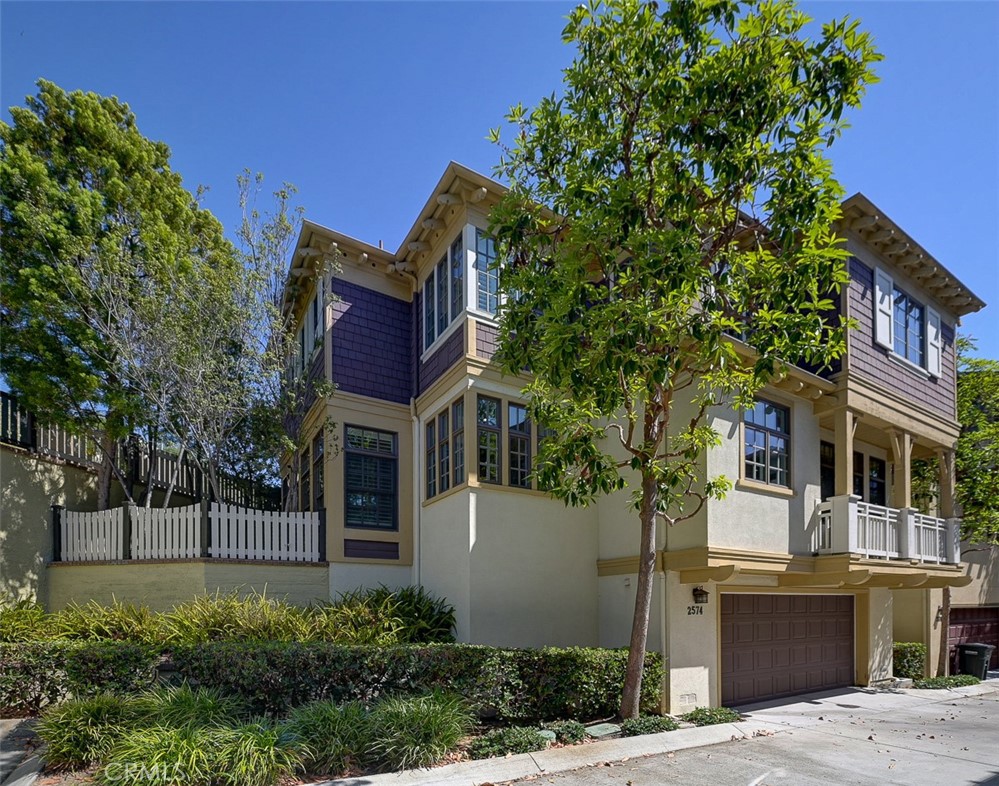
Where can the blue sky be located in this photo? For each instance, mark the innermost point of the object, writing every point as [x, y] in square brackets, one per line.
[362, 105]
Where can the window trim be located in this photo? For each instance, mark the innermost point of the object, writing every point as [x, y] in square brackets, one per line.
[766, 485]
[884, 290]
[480, 429]
[394, 456]
[526, 435]
[433, 284]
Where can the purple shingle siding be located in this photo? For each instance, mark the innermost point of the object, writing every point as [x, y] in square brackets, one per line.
[870, 360]
[372, 341]
[443, 357]
[486, 340]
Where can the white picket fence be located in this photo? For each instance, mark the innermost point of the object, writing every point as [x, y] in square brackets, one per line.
[245, 533]
[91, 535]
[176, 533]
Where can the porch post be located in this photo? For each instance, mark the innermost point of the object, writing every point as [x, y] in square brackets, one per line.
[57, 532]
[844, 425]
[843, 538]
[945, 481]
[901, 449]
[907, 534]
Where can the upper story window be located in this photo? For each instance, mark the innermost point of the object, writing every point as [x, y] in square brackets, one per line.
[371, 473]
[767, 445]
[444, 463]
[486, 273]
[444, 293]
[908, 329]
[519, 448]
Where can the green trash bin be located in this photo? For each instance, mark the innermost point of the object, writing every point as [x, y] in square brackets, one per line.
[973, 659]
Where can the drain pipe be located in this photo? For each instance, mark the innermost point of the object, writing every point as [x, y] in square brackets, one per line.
[417, 508]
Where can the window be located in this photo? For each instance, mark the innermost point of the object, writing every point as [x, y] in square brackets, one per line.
[304, 488]
[827, 470]
[318, 482]
[458, 441]
[371, 478]
[519, 428]
[487, 275]
[457, 277]
[443, 453]
[444, 293]
[908, 327]
[431, 462]
[877, 481]
[767, 444]
[858, 474]
[488, 419]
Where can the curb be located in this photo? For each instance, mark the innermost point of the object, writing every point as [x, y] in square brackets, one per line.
[26, 773]
[573, 757]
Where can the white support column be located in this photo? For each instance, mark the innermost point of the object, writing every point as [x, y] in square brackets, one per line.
[907, 540]
[843, 538]
[952, 551]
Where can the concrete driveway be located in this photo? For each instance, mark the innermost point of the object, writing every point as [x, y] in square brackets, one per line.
[911, 737]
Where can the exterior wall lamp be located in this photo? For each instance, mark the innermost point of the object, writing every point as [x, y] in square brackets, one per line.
[700, 595]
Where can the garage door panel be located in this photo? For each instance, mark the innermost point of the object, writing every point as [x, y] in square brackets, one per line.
[978, 625]
[785, 644]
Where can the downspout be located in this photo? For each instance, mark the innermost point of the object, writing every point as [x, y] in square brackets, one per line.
[664, 689]
[417, 508]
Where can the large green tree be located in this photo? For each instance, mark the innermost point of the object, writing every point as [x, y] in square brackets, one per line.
[100, 240]
[675, 194]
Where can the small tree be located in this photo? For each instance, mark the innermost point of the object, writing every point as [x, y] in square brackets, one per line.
[101, 249]
[675, 196]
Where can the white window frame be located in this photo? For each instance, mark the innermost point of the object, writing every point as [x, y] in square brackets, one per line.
[467, 232]
[884, 326]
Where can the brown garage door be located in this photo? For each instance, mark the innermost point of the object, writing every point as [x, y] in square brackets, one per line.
[978, 625]
[780, 645]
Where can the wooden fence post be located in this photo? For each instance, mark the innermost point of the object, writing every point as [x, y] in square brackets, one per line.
[206, 529]
[57, 532]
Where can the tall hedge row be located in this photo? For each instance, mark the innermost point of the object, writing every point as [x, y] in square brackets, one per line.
[509, 684]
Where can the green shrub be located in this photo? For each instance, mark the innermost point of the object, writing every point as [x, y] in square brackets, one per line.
[250, 755]
[23, 620]
[82, 732]
[357, 618]
[908, 660]
[116, 621]
[425, 619]
[330, 738]
[648, 724]
[953, 681]
[234, 617]
[535, 685]
[512, 739]
[34, 675]
[184, 706]
[568, 732]
[416, 731]
[709, 716]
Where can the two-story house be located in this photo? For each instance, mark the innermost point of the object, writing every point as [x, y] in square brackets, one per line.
[787, 585]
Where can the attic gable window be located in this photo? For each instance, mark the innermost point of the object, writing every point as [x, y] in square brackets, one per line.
[908, 329]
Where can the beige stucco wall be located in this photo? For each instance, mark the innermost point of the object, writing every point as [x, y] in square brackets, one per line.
[162, 585]
[879, 633]
[982, 564]
[347, 577]
[532, 571]
[29, 486]
[692, 647]
[760, 519]
[444, 563]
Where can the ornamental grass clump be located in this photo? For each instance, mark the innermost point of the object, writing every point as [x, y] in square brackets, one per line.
[23, 620]
[184, 706]
[416, 731]
[330, 738]
[357, 618]
[81, 732]
[234, 617]
[115, 621]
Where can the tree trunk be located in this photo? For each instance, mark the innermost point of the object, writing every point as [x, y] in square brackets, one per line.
[632, 693]
[105, 471]
[943, 662]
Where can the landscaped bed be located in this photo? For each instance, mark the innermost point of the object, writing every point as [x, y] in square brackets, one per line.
[251, 691]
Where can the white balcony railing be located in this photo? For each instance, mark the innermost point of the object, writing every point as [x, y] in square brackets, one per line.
[848, 525]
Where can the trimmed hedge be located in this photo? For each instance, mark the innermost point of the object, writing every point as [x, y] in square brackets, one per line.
[908, 660]
[273, 677]
[508, 684]
[34, 675]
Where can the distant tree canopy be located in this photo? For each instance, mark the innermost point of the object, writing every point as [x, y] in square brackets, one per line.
[676, 195]
[123, 306]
